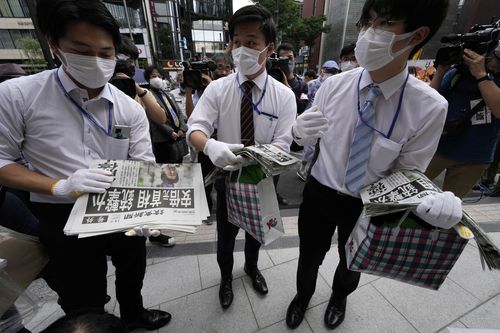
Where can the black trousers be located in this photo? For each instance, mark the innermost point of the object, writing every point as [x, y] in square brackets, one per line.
[226, 237]
[322, 210]
[79, 266]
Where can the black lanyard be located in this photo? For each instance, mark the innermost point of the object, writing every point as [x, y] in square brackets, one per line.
[85, 113]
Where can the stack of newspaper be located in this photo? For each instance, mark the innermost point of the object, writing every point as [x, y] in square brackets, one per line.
[168, 196]
[404, 190]
[271, 159]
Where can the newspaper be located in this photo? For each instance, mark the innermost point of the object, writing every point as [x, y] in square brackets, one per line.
[271, 159]
[404, 189]
[168, 196]
[399, 191]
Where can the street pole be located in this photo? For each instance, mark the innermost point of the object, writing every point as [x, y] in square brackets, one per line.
[128, 19]
[179, 36]
[39, 35]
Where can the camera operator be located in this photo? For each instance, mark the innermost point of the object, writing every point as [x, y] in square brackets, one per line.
[473, 91]
[223, 67]
[127, 54]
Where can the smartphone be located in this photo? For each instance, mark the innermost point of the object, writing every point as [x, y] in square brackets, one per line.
[121, 132]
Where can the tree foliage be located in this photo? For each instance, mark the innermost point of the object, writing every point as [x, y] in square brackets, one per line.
[292, 27]
[32, 50]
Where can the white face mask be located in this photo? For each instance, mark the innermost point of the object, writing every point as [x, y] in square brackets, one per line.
[247, 60]
[92, 72]
[348, 65]
[374, 48]
[156, 82]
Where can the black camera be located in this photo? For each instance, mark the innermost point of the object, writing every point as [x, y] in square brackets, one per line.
[276, 67]
[192, 72]
[480, 39]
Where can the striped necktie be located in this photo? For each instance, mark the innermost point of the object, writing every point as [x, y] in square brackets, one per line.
[361, 143]
[247, 129]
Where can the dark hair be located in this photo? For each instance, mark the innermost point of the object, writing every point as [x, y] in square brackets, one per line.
[347, 49]
[54, 16]
[331, 70]
[91, 322]
[223, 57]
[415, 13]
[148, 71]
[310, 73]
[285, 47]
[254, 13]
[127, 47]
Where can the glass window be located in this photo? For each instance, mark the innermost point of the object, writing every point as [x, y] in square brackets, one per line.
[5, 9]
[198, 25]
[209, 36]
[161, 9]
[217, 25]
[15, 6]
[198, 35]
[16, 36]
[208, 25]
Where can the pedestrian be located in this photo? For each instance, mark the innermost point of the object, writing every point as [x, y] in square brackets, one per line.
[247, 108]
[59, 120]
[348, 58]
[364, 138]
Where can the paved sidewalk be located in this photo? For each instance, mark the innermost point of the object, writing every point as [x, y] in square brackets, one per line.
[184, 281]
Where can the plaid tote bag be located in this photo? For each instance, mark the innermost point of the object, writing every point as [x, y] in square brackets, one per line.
[252, 204]
[404, 251]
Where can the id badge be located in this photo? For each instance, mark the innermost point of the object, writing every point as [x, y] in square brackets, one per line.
[121, 132]
[481, 117]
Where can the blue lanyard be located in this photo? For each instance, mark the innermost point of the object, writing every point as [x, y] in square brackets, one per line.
[249, 98]
[85, 113]
[388, 135]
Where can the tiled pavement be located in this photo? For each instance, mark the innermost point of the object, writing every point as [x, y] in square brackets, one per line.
[184, 281]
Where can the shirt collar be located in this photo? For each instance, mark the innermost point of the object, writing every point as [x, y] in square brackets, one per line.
[71, 86]
[388, 87]
[260, 81]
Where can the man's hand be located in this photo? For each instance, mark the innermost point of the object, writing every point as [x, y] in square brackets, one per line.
[442, 210]
[476, 63]
[83, 181]
[174, 136]
[220, 153]
[309, 127]
[180, 134]
[143, 231]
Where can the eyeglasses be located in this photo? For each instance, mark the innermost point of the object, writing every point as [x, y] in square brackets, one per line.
[379, 23]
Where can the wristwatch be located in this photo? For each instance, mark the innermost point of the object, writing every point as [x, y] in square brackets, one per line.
[488, 77]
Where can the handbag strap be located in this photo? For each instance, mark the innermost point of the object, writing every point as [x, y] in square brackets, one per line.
[469, 113]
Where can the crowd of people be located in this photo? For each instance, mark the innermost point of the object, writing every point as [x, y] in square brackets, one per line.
[362, 118]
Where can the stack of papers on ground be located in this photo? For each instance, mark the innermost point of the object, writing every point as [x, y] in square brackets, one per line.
[271, 159]
[162, 196]
[406, 189]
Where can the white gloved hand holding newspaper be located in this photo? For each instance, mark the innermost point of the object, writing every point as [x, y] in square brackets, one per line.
[220, 152]
[143, 231]
[83, 181]
[309, 127]
[442, 210]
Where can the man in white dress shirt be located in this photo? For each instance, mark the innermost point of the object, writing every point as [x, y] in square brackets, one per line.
[398, 118]
[59, 120]
[248, 107]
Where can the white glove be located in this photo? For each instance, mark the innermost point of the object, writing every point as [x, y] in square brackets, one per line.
[220, 152]
[241, 162]
[309, 127]
[442, 210]
[143, 231]
[83, 181]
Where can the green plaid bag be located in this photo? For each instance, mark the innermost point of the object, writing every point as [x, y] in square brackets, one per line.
[403, 251]
[252, 204]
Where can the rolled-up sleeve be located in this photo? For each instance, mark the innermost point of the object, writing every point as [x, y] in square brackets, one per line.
[205, 113]
[11, 124]
[283, 132]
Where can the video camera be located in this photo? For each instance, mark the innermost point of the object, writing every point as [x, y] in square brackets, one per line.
[192, 72]
[480, 39]
[276, 67]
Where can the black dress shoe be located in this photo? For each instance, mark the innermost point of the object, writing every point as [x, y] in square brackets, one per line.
[295, 313]
[149, 319]
[226, 292]
[258, 281]
[335, 312]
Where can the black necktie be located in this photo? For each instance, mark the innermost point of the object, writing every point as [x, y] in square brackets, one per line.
[247, 129]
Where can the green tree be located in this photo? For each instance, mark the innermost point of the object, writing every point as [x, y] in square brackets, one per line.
[286, 13]
[166, 46]
[310, 28]
[32, 50]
